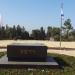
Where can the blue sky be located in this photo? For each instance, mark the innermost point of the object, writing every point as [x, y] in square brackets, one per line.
[35, 13]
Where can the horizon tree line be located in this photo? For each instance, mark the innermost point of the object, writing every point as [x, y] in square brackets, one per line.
[18, 32]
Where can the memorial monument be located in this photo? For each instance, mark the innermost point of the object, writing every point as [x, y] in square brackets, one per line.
[21, 55]
[26, 52]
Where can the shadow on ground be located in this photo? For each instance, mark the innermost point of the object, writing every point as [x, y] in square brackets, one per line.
[62, 63]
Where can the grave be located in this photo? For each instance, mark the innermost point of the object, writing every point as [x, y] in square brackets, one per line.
[22, 55]
[26, 52]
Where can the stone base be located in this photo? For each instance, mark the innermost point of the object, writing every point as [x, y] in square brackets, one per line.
[49, 63]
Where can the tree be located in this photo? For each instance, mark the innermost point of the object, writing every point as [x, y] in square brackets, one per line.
[56, 33]
[36, 34]
[24, 34]
[67, 27]
[49, 32]
[7, 34]
[72, 35]
[14, 32]
[2, 32]
[19, 32]
[42, 34]
[10, 33]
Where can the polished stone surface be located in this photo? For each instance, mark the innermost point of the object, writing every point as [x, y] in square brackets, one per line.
[24, 51]
[50, 63]
[27, 44]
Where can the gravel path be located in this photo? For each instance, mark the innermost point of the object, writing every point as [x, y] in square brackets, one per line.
[3, 50]
[66, 52]
[53, 44]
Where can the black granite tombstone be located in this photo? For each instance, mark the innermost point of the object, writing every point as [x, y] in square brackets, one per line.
[21, 55]
[26, 52]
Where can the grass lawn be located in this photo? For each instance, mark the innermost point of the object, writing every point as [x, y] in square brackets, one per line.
[67, 63]
[2, 54]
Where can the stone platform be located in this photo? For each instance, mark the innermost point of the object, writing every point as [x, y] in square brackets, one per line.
[49, 63]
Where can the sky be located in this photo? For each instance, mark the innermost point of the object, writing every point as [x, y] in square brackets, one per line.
[33, 14]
